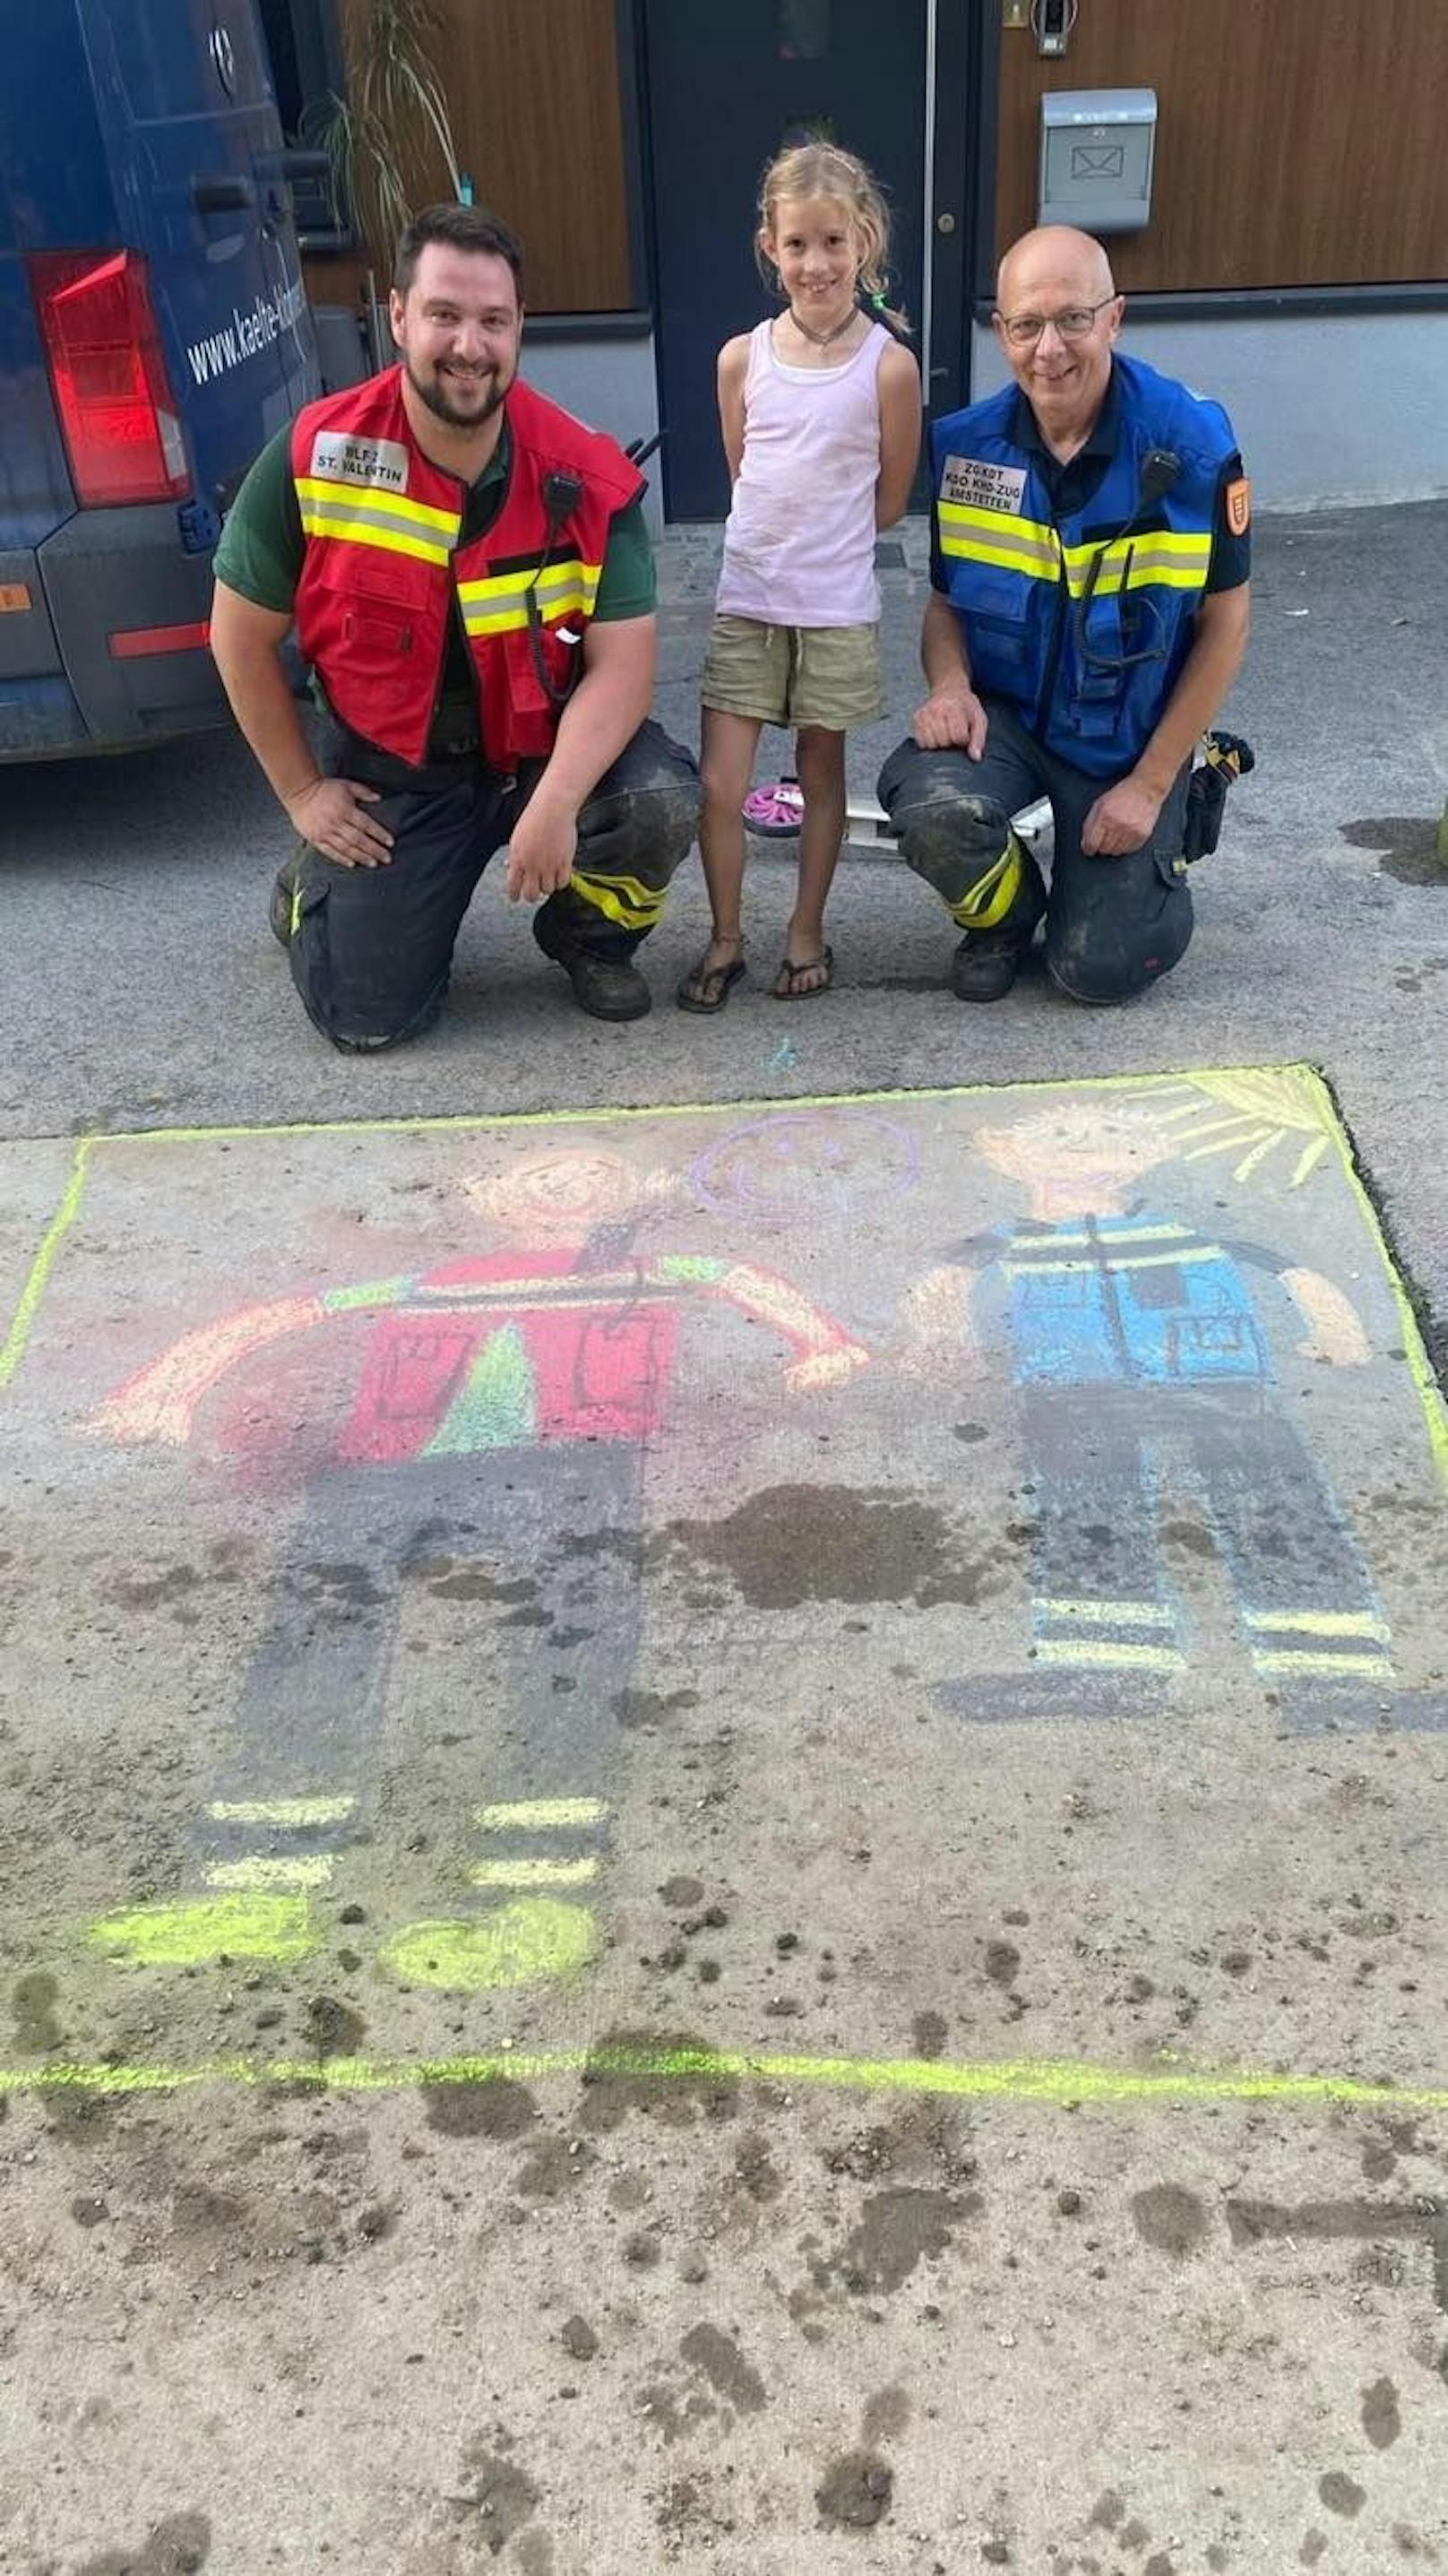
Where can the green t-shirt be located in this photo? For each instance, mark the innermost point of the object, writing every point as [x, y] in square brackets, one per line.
[262, 550]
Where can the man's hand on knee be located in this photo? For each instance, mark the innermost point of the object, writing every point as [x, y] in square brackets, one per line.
[952, 719]
[330, 814]
[541, 848]
[1123, 819]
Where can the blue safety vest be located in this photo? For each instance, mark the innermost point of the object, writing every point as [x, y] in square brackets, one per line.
[1042, 628]
[1128, 1301]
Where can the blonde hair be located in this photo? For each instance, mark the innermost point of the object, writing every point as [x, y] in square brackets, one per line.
[818, 169]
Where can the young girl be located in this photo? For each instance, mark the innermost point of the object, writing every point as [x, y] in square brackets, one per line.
[820, 411]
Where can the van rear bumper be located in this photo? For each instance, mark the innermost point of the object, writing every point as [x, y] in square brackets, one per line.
[112, 663]
[38, 712]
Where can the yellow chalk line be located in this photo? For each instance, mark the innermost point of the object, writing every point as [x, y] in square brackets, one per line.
[1103, 1655]
[539, 1815]
[285, 1813]
[13, 1347]
[465, 1121]
[1060, 2081]
[533, 1873]
[261, 1869]
[1435, 1413]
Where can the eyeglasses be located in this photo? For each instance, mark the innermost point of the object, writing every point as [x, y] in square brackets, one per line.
[1022, 329]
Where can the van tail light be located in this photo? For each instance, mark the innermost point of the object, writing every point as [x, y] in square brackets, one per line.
[114, 398]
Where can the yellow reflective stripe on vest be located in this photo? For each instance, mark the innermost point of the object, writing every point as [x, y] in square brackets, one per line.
[990, 898]
[375, 502]
[567, 589]
[372, 517]
[1026, 532]
[999, 538]
[1163, 556]
[622, 899]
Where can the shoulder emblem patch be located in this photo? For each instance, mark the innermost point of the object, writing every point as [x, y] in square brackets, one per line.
[1239, 506]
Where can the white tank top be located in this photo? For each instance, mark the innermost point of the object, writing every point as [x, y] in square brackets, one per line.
[799, 543]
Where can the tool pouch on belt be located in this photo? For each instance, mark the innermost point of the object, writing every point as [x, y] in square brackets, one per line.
[1227, 757]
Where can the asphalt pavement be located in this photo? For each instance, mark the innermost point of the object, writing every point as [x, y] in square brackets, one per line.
[723, 1744]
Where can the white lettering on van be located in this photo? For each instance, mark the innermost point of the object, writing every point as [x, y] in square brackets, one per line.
[247, 334]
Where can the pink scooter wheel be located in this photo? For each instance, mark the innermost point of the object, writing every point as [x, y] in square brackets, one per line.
[774, 810]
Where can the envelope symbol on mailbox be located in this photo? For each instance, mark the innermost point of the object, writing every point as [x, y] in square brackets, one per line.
[1098, 160]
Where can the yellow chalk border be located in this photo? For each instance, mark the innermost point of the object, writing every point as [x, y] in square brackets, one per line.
[1059, 2082]
[12, 1349]
[1435, 1414]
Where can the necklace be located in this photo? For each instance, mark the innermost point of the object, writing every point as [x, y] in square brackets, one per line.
[822, 339]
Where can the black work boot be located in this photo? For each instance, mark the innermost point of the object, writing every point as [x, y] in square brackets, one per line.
[279, 909]
[608, 988]
[985, 964]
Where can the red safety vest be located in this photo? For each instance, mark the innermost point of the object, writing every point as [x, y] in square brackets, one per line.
[383, 566]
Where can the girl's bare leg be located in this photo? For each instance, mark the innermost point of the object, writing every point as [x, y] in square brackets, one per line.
[728, 744]
[820, 760]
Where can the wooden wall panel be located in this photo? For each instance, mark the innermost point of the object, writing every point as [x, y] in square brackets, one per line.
[533, 93]
[1299, 142]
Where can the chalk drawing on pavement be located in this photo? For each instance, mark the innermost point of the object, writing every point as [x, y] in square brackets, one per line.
[493, 1452]
[496, 1400]
[1130, 1333]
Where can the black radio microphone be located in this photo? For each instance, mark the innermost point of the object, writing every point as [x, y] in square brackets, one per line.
[562, 492]
[1159, 469]
[1157, 472]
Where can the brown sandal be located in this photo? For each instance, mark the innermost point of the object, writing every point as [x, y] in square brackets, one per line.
[706, 988]
[786, 989]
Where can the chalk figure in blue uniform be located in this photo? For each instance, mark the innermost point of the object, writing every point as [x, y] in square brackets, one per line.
[1135, 1343]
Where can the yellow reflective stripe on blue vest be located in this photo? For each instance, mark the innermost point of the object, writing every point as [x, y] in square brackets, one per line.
[999, 538]
[1164, 556]
[1160, 556]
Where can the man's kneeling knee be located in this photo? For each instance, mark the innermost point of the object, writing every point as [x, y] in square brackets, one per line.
[1110, 969]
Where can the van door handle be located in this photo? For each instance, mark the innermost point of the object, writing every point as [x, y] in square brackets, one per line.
[291, 164]
[227, 193]
[223, 193]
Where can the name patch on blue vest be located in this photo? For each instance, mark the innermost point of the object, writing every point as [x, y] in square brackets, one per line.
[983, 487]
[336, 458]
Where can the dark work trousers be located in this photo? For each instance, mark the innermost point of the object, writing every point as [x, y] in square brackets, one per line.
[1112, 925]
[371, 948]
[1101, 1597]
[520, 1574]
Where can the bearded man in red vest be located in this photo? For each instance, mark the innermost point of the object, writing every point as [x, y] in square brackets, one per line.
[469, 575]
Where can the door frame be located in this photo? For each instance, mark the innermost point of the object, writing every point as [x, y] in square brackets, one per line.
[962, 63]
[962, 46]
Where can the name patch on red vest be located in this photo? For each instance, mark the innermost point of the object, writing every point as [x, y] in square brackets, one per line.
[336, 458]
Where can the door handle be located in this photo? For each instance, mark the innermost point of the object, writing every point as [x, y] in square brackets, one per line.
[227, 193]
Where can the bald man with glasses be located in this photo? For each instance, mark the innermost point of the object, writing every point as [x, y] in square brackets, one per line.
[1088, 614]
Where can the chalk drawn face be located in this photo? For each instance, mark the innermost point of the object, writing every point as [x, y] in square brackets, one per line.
[836, 1161]
[559, 1194]
[1077, 1143]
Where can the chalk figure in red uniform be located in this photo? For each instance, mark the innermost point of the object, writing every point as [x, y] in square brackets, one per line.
[494, 1454]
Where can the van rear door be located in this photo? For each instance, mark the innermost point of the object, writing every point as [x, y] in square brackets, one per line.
[185, 104]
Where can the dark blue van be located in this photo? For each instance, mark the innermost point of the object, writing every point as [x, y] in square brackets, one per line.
[153, 333]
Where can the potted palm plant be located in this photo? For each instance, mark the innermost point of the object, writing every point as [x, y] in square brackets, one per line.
[389, 139]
